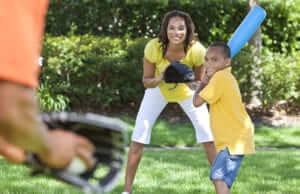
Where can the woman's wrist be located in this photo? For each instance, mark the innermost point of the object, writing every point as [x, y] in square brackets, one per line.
[157, 81]
[152, 82]
[160, 78]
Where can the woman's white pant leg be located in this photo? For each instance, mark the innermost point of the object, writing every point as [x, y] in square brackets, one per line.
[152, 105]
[199, 117]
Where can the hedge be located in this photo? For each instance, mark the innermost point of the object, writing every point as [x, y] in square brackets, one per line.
[93, 49]
[94, 73]
[90, 72]
[214, 19]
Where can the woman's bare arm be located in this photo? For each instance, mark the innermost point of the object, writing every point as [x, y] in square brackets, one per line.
[149, 79]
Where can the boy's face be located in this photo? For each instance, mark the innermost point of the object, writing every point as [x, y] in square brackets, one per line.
[215, 60]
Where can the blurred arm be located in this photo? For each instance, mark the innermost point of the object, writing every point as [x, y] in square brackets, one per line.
[21, 130]
[18, 118]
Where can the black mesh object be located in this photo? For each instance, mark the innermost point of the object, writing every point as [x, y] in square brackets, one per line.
[108, 136]
[178, 72]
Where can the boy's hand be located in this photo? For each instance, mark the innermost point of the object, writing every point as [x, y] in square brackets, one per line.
[193, 85]
[203, 83]
[205, 79]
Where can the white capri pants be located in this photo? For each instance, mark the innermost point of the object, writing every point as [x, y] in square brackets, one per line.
[152, 105]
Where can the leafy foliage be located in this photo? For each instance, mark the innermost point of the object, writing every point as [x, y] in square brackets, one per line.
[280, 77]
[50, 101]
[90, 72]
[281, 28]
[94, 49]
[214, 20]
[99, 73]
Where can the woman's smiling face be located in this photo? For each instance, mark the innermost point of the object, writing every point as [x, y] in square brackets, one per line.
[176, 30]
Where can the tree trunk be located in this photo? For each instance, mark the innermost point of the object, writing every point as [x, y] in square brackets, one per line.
[256, 44]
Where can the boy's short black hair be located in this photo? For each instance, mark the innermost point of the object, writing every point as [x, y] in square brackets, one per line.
[224, 46]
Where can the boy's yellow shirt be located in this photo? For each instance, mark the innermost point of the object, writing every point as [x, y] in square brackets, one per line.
[230, 123]
[193, 58]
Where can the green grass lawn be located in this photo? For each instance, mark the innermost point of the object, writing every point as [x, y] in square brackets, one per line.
[187, 171]
[166, 134]
[269, 171]
[277, 137]
[177, 172]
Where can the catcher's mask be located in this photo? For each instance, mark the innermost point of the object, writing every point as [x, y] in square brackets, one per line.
[178, 72]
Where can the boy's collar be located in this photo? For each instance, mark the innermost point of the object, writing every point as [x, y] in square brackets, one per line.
[223, 68]
[226, 68]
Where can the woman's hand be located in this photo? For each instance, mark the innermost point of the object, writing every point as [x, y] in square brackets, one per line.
[149, 79]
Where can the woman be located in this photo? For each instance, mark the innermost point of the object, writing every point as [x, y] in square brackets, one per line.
[175, 42]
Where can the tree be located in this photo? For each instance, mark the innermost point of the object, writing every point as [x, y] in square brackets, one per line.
[256, 44]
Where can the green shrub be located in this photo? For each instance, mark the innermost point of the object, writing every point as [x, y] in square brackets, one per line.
[281, 28]
[214, 19]
[89, 71]
[100, 73]
[280, 78]
[51, 102]
[242, 68]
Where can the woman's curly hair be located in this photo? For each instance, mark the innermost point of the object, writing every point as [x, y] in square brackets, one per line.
[163, 36]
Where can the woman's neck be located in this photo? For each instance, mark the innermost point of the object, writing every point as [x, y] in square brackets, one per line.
[174, 52]
[175, 47]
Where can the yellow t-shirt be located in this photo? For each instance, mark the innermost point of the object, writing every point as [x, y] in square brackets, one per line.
[193, 58]
[230, 123]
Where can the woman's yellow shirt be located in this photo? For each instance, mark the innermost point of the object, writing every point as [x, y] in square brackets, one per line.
[193, 58]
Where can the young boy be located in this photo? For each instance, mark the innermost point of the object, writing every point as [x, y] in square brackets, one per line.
[231, 126]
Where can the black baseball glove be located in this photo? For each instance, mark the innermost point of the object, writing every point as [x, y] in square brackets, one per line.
[178, 72]
[107, 135]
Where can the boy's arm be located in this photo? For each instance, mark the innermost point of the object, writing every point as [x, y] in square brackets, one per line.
[197, 99]
[212, 91]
